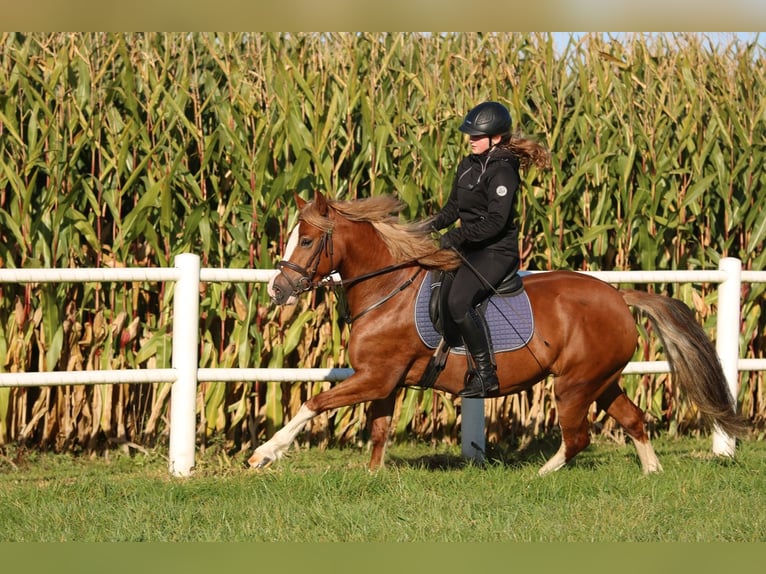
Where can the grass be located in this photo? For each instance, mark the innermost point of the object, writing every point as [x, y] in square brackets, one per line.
[426, 494]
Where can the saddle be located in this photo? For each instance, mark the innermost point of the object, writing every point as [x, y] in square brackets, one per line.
[510, 286]
[507, 311]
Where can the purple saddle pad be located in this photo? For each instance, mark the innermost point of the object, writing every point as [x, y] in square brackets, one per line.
[509, 318]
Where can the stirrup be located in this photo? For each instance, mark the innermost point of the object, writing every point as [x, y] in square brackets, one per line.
[475, 387]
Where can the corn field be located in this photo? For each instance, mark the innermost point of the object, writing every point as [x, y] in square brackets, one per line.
[128, 149]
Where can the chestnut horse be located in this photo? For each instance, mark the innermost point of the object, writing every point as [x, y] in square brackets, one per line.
[584, 332]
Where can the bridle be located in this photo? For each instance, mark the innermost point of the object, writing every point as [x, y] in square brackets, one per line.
[304, 282]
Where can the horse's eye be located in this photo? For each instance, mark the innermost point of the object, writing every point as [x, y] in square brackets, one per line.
[306, 241]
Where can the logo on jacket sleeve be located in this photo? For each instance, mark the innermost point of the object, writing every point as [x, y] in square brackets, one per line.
[501, 191]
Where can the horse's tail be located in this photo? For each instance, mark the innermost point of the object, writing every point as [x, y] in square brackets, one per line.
[693, 360]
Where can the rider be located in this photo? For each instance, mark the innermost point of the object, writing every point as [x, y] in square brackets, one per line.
[483, 197]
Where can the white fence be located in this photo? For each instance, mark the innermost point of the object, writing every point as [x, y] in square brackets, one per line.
[185, 372]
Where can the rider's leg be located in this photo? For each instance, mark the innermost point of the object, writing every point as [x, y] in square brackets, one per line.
[483, 380]
[471, 285]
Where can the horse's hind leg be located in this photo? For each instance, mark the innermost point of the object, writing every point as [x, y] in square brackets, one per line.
[574, 438]
[617, 405]
[573, 420]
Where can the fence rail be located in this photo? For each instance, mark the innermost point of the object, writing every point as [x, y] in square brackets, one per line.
[185, 373]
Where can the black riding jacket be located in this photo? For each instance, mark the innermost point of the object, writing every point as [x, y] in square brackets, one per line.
[483, 197]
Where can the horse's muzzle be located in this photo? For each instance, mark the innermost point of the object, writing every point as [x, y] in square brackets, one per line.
[278, 295]
[282, 291]
[283, 298]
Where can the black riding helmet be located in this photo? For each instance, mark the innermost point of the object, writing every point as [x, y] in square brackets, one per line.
[487, 119]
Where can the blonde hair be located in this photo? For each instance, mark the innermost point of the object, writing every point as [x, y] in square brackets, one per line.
[528, 151]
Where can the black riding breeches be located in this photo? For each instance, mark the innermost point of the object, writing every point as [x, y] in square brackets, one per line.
[475, 280]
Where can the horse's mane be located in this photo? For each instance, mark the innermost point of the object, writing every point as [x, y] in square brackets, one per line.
[405, 241]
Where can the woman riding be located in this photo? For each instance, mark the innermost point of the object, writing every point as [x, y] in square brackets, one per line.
[483, 198]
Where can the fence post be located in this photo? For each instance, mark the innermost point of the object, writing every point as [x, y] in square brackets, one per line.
[183, 393]
[472, 431]
[727, 340]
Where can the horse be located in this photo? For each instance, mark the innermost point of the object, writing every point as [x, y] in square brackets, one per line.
[584, 332]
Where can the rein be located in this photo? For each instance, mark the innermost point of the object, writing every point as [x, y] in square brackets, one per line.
[385, 299]
[354, 280]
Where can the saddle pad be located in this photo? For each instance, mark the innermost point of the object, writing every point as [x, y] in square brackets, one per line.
[509, 318]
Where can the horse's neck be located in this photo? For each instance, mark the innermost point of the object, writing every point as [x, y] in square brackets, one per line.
[365, 253]
[365, 257]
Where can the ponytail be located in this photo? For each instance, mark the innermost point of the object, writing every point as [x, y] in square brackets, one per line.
[528, 151]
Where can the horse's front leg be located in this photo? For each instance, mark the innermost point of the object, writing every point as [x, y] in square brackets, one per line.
[381, 413]
[277, 446]
[362, 386]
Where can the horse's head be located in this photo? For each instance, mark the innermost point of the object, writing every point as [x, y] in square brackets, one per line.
[308, 256]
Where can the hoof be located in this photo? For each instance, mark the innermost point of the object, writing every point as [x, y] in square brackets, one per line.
[259, 461]
[652, 469]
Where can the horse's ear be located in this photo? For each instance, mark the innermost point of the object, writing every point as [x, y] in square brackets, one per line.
[321, 203]
[300, 202]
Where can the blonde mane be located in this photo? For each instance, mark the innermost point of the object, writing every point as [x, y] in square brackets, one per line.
[405, 241]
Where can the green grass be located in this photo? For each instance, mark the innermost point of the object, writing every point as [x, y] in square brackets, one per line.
[426, 494]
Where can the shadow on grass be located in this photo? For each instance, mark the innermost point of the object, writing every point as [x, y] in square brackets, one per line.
[536, 452]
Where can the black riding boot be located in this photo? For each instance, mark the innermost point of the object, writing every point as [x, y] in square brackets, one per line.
[483, 380]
